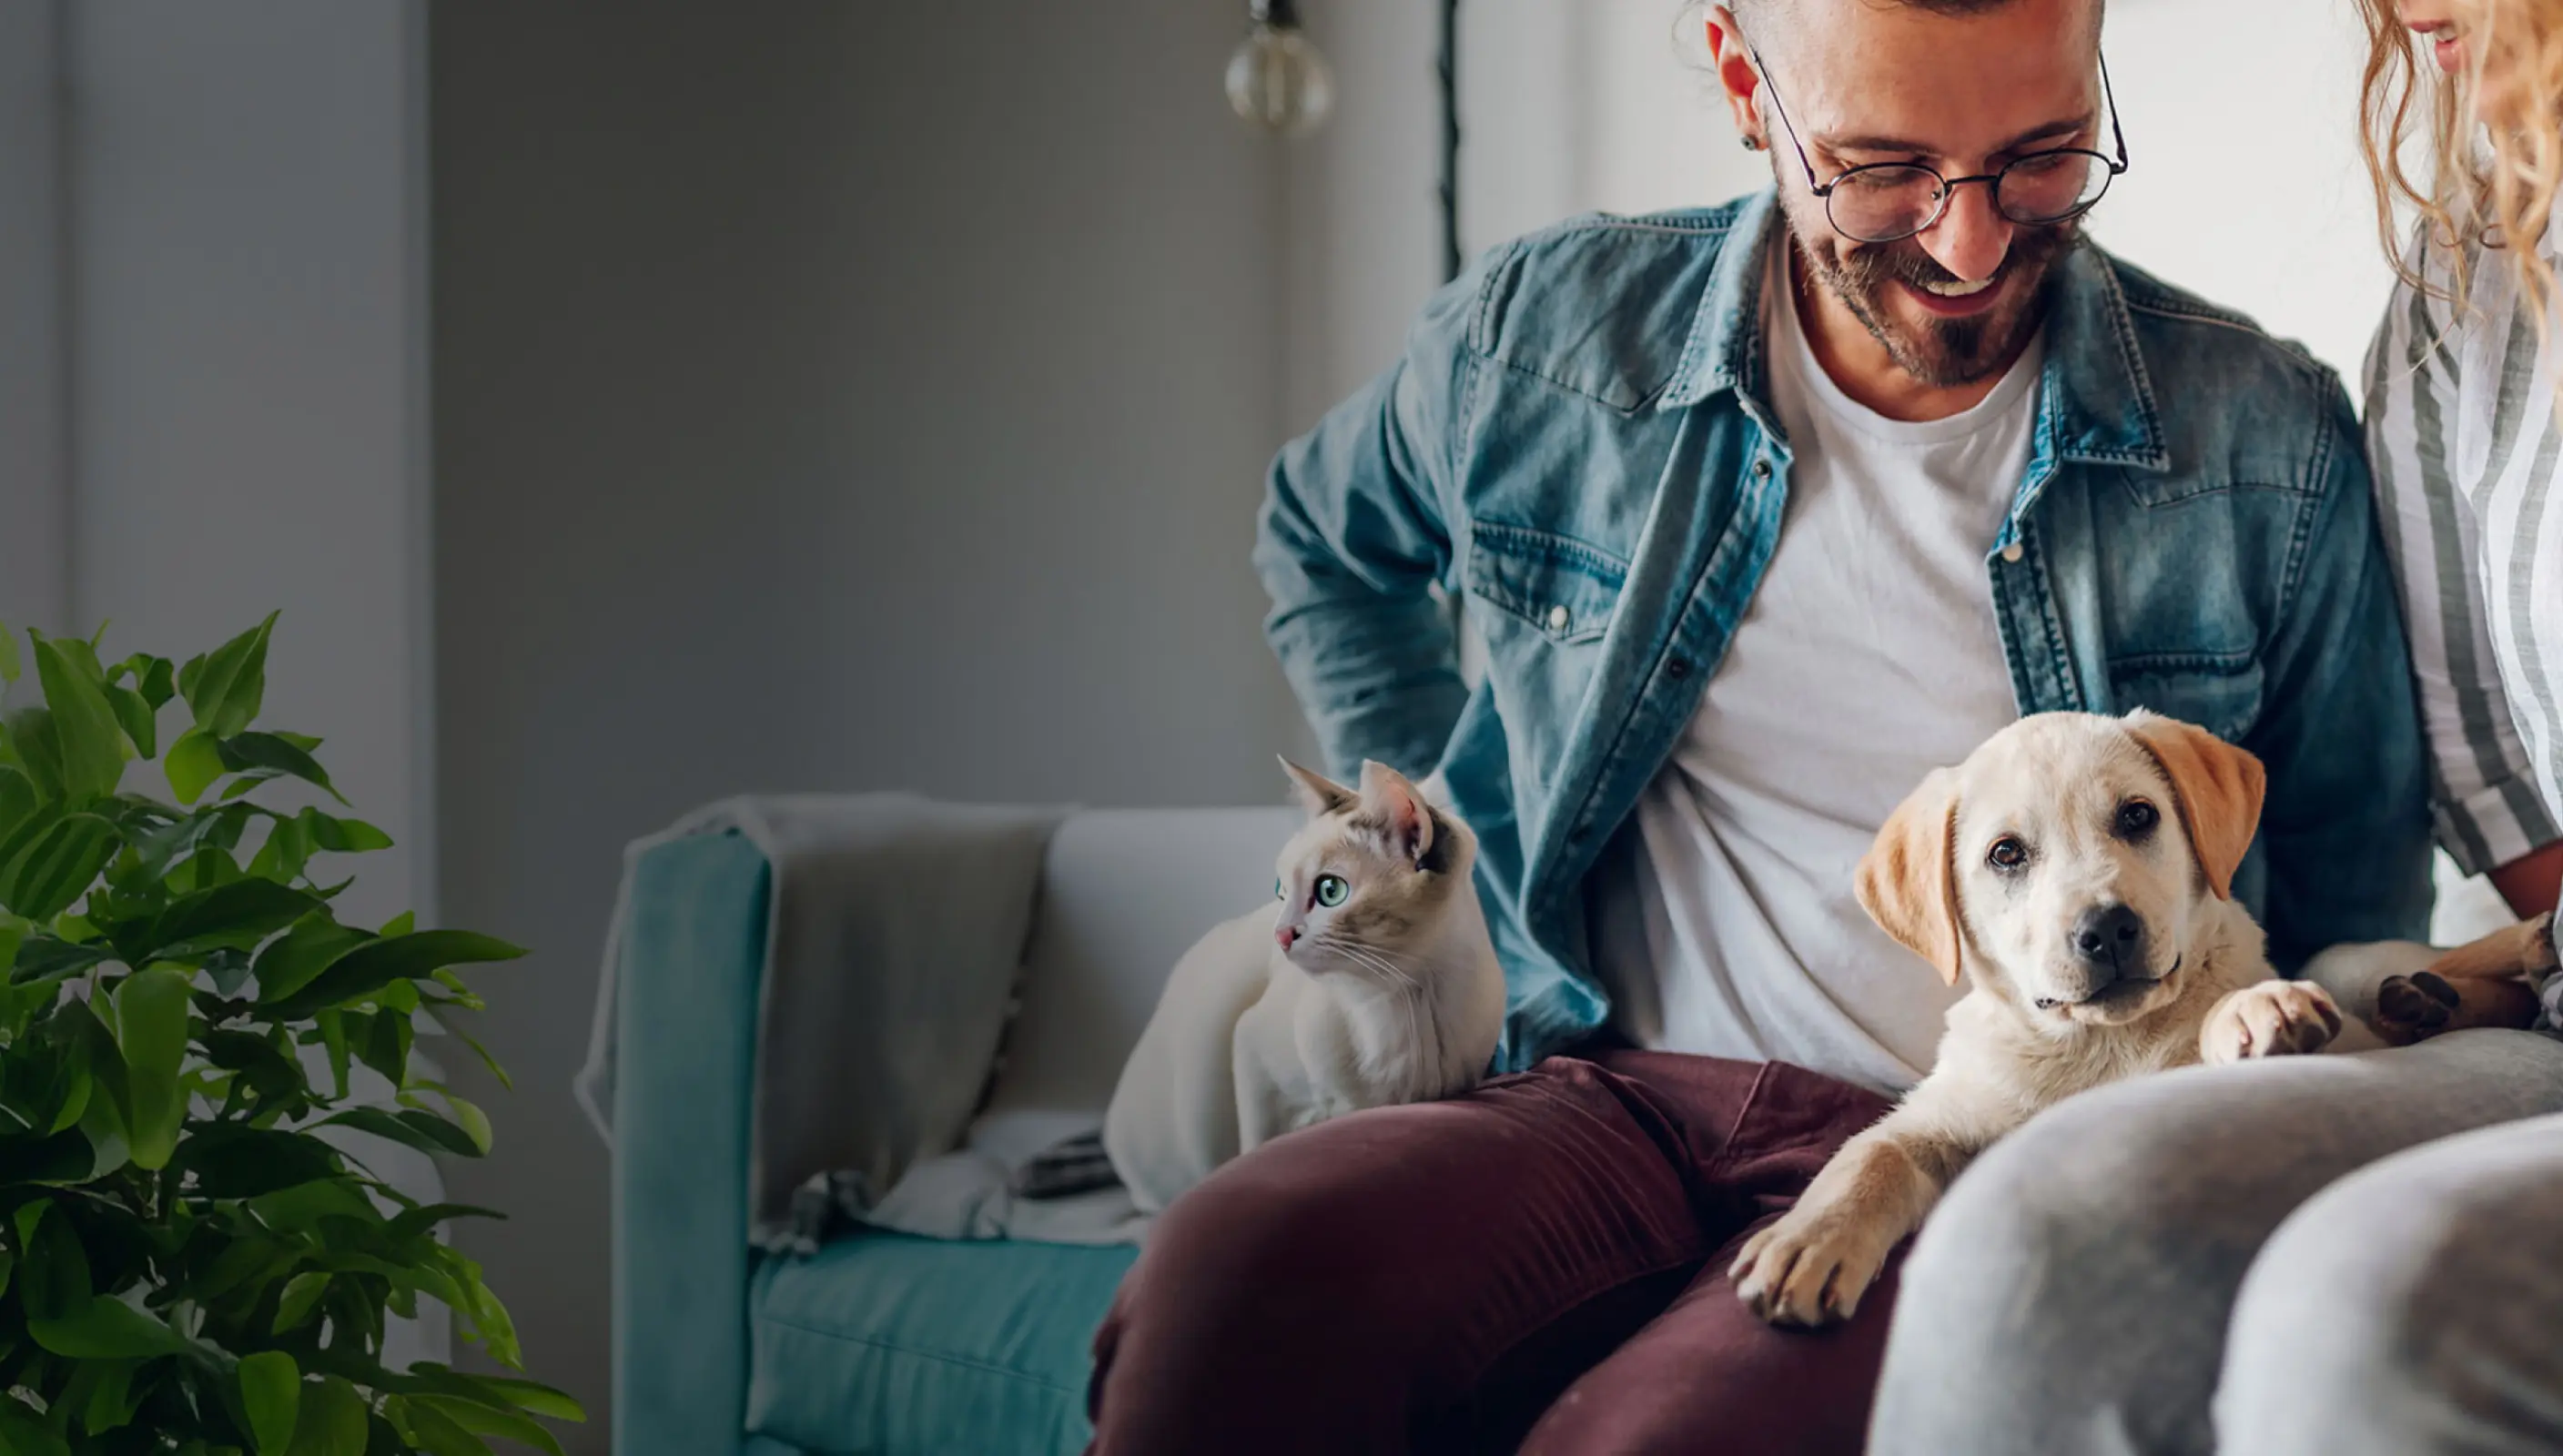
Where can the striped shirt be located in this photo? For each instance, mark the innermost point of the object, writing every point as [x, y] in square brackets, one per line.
[2464, 437]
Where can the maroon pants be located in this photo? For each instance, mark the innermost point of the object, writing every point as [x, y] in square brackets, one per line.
[1538, 1265]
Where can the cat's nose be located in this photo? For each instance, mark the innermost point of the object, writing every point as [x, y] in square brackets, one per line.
[1284, 935]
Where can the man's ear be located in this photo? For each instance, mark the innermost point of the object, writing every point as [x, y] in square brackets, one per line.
[1735, 75]
[1907, 882]
[2220, 789]
[1318, 793]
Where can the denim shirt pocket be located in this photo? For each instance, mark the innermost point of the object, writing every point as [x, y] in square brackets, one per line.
[1561, 588]
[2218, 691]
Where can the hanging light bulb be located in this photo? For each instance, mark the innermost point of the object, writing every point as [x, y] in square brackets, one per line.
[1276, 81]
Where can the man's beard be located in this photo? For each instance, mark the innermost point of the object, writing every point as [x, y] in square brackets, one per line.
[1940, 352]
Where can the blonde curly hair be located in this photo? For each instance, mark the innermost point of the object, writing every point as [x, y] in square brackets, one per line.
[2496, 142]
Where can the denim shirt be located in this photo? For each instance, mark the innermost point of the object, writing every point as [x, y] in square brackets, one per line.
[1580, 440]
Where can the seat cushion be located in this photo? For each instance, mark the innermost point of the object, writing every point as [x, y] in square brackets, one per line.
[882, 1345]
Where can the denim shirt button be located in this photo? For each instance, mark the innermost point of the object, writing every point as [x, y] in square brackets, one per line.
[2013, 552]
[1559, 617]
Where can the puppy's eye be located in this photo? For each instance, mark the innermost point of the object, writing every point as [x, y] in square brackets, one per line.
[2137, 819]
[2007, 853]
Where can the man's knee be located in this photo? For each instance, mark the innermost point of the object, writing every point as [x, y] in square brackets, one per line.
[1243, 1257]
[2084, 1198]
[2400, 1310]
[2046, 1283]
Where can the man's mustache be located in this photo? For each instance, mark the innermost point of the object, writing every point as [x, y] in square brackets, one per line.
[1906, 261]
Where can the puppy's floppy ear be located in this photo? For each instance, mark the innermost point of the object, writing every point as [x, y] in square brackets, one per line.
[1907, 882]
[1318, 793]
[2218, 786]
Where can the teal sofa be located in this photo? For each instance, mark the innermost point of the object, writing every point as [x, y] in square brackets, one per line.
[879, 1345]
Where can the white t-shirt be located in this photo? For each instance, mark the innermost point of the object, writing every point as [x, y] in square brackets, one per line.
[1726, 921]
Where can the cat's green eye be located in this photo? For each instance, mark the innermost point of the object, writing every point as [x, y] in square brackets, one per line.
[1331, 890]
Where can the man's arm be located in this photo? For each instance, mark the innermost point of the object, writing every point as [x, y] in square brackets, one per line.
[2346, 830]
[1354, 532]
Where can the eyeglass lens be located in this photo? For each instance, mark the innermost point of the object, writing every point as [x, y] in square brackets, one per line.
[1883, 203]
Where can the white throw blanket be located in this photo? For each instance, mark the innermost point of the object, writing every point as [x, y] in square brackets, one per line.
[895, 932]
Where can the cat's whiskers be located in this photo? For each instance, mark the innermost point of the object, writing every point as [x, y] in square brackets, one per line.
[1409, 1005]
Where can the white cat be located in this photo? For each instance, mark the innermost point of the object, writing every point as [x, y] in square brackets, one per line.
[1368, 980]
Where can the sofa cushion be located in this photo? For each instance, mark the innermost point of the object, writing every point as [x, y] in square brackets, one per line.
[884, 1345]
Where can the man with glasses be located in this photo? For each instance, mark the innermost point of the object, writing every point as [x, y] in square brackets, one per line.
[1764, 511]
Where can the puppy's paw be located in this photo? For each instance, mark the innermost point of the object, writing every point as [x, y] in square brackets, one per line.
[2411, 1007]
[2270, 1018]
[1809, 1268]
[2542, 959]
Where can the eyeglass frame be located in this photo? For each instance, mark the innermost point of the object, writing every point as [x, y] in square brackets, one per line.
[1824, 191]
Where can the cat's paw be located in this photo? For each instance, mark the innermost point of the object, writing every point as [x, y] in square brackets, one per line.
[1811, 1266]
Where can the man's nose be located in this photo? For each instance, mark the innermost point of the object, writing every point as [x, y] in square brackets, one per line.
[1972, 238]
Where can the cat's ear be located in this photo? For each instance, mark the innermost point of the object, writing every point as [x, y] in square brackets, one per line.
[1387, 795]
[1322, 795]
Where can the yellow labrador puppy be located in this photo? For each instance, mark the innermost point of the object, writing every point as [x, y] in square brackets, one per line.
[2077, 870]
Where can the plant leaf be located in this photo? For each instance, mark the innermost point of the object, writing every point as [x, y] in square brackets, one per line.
[235, 916]
[531, 1395]
[195, 761]
[270, 1387]
[10, 663]
[55, 1281]
[333, 1037]
[85, 727]
[287, 850]
[226, 687]
[426, 1131]
[246, 751]
[490, 1421]
[373, 965]
[21, 1434]
[343, 835]
[231, 1161]
[46, 959]
[17, 801]
[55, 864]
[133, 715]
[302, 1296]
[107, 1329]
[475, 1121]
[287, 965]
[431, 1429]
[111, 1400]
[385, 1044]
[32, 741]
[58, 1159]
[333, 1420]
[152, 1030]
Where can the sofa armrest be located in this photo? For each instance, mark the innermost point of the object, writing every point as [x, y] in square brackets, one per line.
[691, 959]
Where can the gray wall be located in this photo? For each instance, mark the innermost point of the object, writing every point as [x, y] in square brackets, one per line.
[35, 504]
[828, 397]
[244, 368]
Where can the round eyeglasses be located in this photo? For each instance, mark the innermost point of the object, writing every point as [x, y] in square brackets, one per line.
[1883, 202]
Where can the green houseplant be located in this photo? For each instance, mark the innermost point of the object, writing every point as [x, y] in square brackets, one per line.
[193, 1259]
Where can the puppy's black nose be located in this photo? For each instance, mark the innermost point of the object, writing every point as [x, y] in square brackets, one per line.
[2109, 938]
